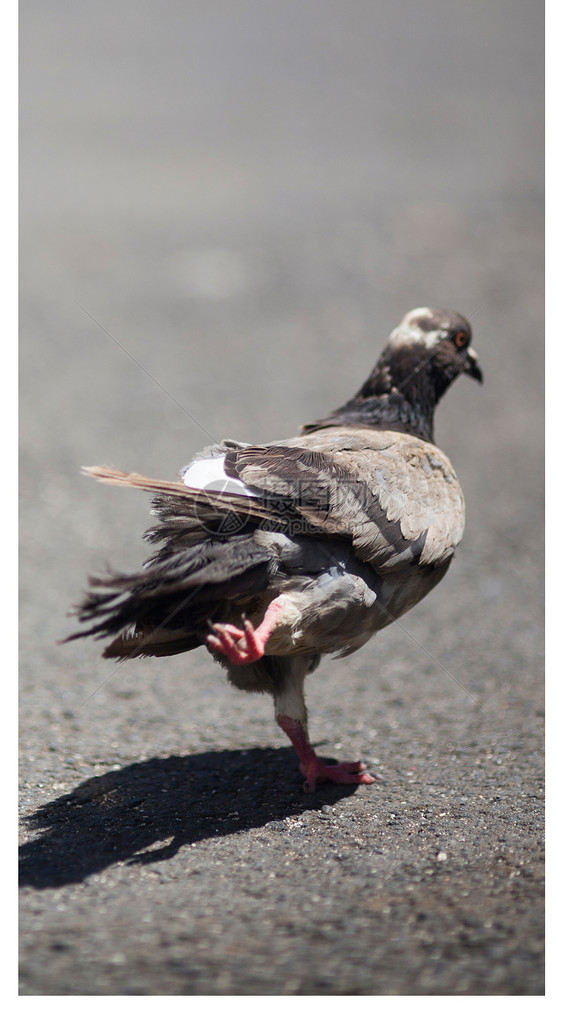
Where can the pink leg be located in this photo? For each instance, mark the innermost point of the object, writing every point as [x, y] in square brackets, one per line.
[242, 647]
[350, 772]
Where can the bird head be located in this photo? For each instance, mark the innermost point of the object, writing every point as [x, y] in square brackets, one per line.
[424, 354]
[431, 342]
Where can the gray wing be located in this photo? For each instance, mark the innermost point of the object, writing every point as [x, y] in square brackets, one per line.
[396, 497]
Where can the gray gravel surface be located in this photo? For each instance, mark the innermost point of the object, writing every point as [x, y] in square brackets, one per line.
[225, 209]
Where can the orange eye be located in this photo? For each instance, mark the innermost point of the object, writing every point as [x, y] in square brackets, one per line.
[461, 339]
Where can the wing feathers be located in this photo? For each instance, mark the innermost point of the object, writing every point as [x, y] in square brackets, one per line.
[395, 497]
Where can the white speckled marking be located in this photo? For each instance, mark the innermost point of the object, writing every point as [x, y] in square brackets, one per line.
[408, 332]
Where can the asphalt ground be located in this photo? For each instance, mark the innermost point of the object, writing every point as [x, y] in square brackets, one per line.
[225, 208]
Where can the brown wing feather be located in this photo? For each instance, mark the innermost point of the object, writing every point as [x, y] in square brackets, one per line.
[396, 496]
[201, 505]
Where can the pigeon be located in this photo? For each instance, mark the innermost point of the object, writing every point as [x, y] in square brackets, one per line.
[273, 555]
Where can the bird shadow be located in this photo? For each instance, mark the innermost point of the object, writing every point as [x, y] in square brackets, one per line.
[123, 815]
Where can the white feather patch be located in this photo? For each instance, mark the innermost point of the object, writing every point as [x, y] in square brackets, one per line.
[409, 331]
[209, 473]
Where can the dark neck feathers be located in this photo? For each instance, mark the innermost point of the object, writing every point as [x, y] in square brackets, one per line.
[400, 394]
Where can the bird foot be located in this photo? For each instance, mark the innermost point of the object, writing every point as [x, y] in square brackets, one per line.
[313, 769]
[346, 773]
[241, 647]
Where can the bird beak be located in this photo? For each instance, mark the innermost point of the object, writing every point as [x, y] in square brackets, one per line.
[472, 366]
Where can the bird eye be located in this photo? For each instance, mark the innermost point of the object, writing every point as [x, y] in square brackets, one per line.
[461, 339]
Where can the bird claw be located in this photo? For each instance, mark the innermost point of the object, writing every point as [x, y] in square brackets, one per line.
[241, 647]
[346, 773]
[313, 769]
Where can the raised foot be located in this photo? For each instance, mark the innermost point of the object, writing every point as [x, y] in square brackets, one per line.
[346, 773]
[241, 647]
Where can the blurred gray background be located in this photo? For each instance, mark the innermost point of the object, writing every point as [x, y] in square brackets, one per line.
[225, 208]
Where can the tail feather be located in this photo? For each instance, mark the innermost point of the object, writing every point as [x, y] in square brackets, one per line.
[116, 477]
[177, 595]
[208, 564]
[151, 644]
[204, 503]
